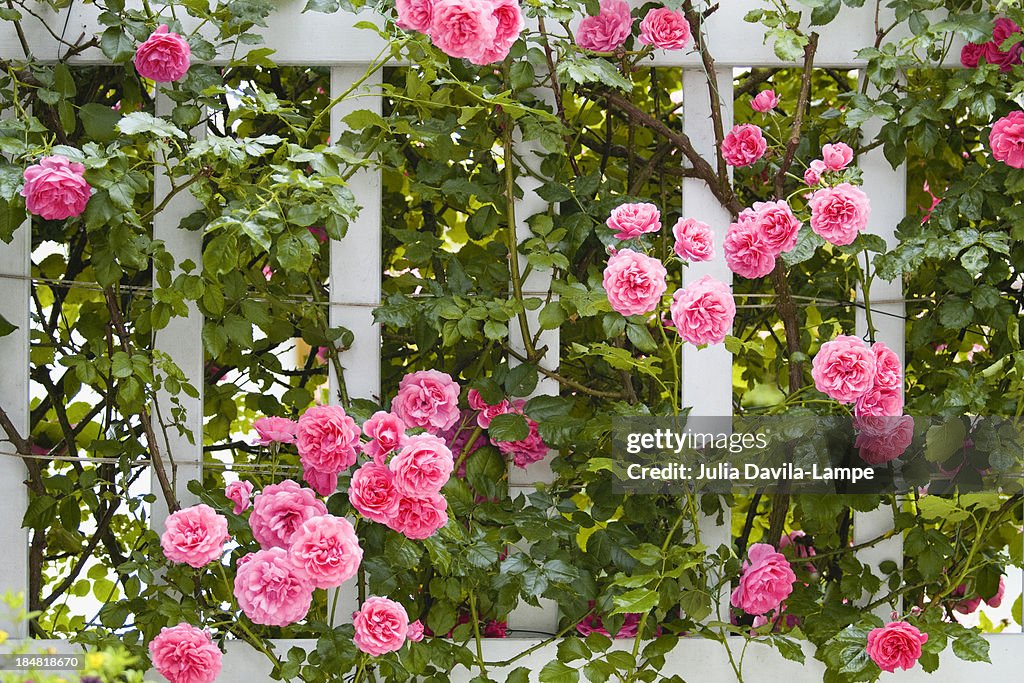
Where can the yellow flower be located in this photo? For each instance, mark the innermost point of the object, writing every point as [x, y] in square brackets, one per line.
[95, 660]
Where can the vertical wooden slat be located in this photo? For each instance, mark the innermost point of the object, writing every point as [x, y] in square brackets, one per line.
[14, 399]
[707, 373]
[182, 340]
[356, 274]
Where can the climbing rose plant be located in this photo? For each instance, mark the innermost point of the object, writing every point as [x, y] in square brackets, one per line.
[403, 499]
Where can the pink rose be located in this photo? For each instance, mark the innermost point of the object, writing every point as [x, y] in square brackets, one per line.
[484, 417]
[427, 399]
[373, 493]
[1003, 29]
[694, 240]
[971, 53]
[703, 311]
[776, 223]
[325, 551]
[965, 606]
[888, 368]
[765, 101]
[812, 176]
[381, 626]
[475, 400]
[463, 29]
[747, 251]
[279, 510]
[270, 591]
[881, 439]
[997, 599]
[275, 430]
[608, 30]
[415, 632]
[324, 483]
[55, 188]
[327, 439]
[592, 623]
[744, 145]
[164, 57]
[839, 213]
[801, 544]
[895, 646]
[238, 492]
[185, 654]
[525, 451]
[879, 401]
[414, 15]
[422, 466]
[420, 517]
[665, 29]
[386, 432]
[1004, 60]
[633, 220]
[837, 156]
[1006, 140]
[844, 368]
[510, 25]
[634, 282]
[766, 581]
[194, 536]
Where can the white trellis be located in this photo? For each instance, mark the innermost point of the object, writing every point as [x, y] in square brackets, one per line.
[332, 41]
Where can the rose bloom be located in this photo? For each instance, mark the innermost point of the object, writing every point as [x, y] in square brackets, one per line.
[279, 510]
[844, 368]
[164, 57]
[665, 29]
[633, 220]
[55, 188]
[608, 30]
[275, 430]
[592, 623]
[747, 251]
[895, 646]
[510, 25]
[325, 551]
[327, 439]
[324, 483]
[837, 156]
[414, 15]
[634, 282]
[464, 29]
[238, 492]
[997, 599]
[766, 581]
[381, 626]
[888, 368]
[1004, 60]
[694, 240]
[185, 654]
[839, 213]
[269, 589]
[703, 311]
[386, 432]
[420, 517]
[812, 176]
[765, 101]
[427, 399]
[776, 223]
[1006, 140]
[883, 439]
[422, 466]
[879, 401]
[194, 536]
[525, 451]
[744, 145]
[415, 631]
[971, 53]
[373, 493]
[965, 606]
[484, 417]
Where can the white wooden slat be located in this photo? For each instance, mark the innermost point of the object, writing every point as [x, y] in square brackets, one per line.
[182, 340]
[355, 284]
[707, 372]
[308, 38]
[14, 399]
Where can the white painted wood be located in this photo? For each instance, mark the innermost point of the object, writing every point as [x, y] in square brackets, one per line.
[14, 399]
[332, 40]
[182, 340]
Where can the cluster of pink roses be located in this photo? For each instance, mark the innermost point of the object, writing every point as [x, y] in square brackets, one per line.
[482, 31]
[766, 580]
[703, 311]
[759, 235]
[847, 370]
[611, 27]
[1007, 139]
[522, 452]
[969, 605]
[991, 51]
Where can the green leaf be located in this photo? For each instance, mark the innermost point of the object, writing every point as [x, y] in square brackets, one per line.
[141, 122]
[6, 327]
[557, 672]
[824, 13]
[509, 427]
[975, 259]
[636, 601]
[12, 215]
[942, 441]
[971, 647]
[99, 121]
[117, 45]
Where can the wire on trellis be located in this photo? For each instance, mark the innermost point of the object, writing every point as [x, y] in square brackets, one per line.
[212, 464]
